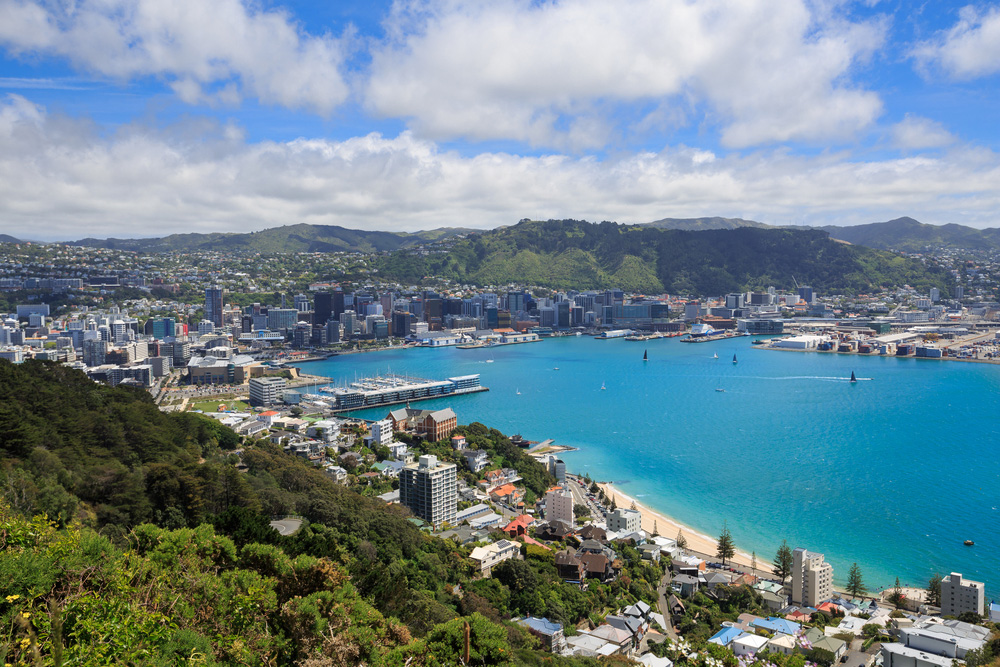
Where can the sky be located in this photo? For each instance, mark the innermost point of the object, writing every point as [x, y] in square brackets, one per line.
[138, 118]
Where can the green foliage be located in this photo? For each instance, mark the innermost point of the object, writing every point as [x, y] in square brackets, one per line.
[855, 583]
[783, 561]
[564, 254]
[725, 547]
[934, 590]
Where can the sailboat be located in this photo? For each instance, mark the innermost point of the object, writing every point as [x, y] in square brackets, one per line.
[518, 392]
[715, 356]
[734, 359]
[853, 379]
[603, 387]
[645, 355]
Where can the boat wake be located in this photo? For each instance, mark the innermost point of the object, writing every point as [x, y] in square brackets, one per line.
[822, 378]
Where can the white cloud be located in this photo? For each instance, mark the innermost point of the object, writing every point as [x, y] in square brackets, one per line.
[214, 51]
[61, 178]
[915, 132]
[969, 49]
[515, 69]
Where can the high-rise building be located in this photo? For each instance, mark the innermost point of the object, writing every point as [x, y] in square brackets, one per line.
[961, 595]
[382, 432]
[429, 489]
[265, 390]
[812, 578]
[559, 506]
[214, 305]
[322, 307]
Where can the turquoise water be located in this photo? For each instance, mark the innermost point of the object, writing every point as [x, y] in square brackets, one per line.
[892, 473]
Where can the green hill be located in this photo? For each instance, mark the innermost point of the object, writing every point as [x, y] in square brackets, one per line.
[289, 238]
[705, 224]
[565, 254]
[909, 235]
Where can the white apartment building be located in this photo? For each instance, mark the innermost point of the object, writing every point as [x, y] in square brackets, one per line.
[265, 390]
[812, 578]
[382, 432]
[430, 490]
[559, 506]
[960, 595]
[625, 520]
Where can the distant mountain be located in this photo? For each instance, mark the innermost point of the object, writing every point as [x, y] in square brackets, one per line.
[7, 238]
[573, 254]
[704, 224]
[909, 235]
[290, 238]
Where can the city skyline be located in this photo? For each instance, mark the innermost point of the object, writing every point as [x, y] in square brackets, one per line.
[139, 119]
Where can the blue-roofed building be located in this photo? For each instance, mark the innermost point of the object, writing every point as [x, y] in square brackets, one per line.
[775, 624]
[725, 636]
[550, 632]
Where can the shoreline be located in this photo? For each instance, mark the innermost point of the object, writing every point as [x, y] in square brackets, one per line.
[698, 543]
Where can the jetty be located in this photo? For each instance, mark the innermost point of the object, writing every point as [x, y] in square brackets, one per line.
[395, 389]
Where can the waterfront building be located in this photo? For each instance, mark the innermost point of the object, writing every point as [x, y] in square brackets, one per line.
[265, 390]
[812, 578]
[559, 506]
[624, 520]
[960, 595]
[429, 489]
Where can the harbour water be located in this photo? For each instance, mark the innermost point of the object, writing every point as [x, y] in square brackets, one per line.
[893, 472]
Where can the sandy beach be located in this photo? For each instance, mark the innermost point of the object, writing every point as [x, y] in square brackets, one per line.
[698, 544]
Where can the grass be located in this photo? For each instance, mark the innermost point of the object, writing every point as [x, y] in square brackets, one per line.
[213, 405]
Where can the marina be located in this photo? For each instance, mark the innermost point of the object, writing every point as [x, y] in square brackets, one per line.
[743, 459]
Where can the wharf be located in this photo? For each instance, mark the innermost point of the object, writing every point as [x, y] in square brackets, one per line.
[459, 392]
[480, 346]
[709, 339]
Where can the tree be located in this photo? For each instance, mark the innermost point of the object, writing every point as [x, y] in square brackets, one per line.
[855, 584]
[934, 591]
[614, 505]
[753, 562]
[783, 561]
[725, 549]
[896, 597]
[682, 541]
[656, 529]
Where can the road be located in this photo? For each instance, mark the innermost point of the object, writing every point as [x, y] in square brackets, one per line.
[286, 526]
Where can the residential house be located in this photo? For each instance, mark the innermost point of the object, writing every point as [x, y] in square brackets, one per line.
[549, 632]
[338, 474]
[748, 644]
[597, 566]
[492, 554]
[569, 566]
[476, 459]
[784, 644]
[898, 655]
[725, 636]
[650, 552]
[774, 601]
[777, 625]
[553, 531]
[685, 584]
[835, 646]
[592, 532]
[519, 526]
[491, 520]
[621, 639]
[390, 497]
[715, 579]
[492, 479]
[589, 646]
[458, 442]
[650, 660]
[508, 493]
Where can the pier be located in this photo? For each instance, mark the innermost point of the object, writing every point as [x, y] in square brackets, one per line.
[396, 389]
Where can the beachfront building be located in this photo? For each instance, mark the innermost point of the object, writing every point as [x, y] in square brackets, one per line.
[812, 578]
[961, 595]
[559, 506]
[429, 489]
[625, 520]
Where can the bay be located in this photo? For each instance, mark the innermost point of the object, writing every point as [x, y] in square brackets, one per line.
[892, 472]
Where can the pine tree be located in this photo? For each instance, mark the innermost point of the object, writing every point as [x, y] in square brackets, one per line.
[656, 530]
[682, 541]
[726, 549]
[934, 591]
[855, 584]
[783, 561]
[753, 563]
[896, 597]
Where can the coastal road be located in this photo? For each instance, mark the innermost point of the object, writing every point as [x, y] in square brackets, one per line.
[286, 526]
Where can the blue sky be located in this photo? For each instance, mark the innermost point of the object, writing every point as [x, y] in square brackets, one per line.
[141, 118]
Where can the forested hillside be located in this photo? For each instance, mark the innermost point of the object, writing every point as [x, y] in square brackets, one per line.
[159, 551]
[569, 254]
